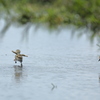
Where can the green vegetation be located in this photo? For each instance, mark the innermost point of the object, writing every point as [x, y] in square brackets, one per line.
[53, 13]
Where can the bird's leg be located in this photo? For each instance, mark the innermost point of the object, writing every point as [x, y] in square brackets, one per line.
[21, 64]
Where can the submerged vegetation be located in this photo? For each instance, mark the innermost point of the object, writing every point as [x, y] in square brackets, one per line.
[52, 13]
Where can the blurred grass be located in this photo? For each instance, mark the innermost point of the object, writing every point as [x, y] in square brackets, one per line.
[53, 13]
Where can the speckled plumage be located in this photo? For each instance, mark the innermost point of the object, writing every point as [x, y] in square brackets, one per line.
[18, 56]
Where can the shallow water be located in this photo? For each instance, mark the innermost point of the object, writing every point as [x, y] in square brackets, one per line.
[58, 67]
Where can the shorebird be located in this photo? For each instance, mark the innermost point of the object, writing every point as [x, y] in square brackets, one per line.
[99, 58]
[18, 56]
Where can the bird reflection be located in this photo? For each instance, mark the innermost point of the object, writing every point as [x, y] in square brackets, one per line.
[18, 73]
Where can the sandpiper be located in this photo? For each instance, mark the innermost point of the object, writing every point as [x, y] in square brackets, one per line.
[99, 58]
[18, 56]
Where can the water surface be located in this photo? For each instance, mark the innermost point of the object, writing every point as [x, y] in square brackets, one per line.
[58, 67]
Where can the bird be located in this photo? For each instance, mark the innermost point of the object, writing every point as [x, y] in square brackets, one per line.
[18, 56]
[99, 58]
